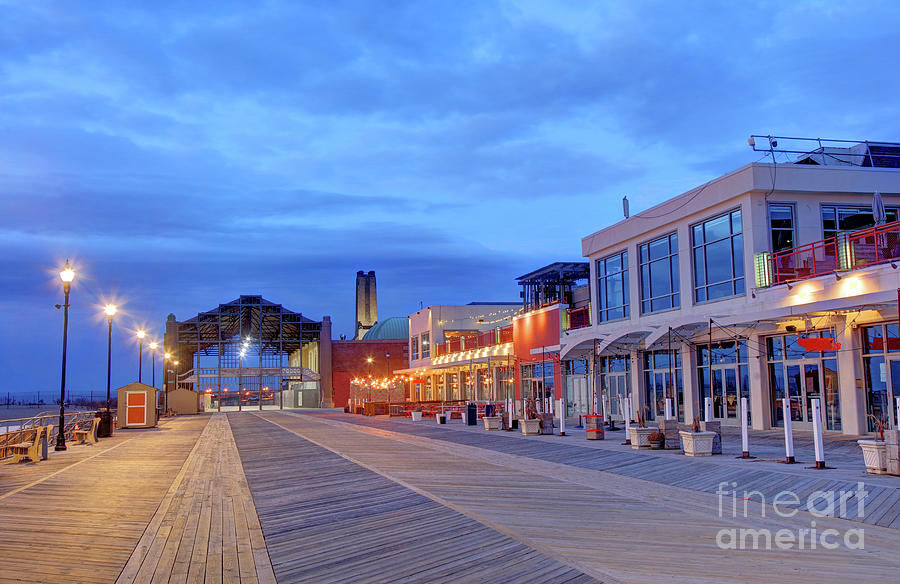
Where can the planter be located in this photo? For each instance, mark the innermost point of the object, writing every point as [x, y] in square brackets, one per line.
[657, 444]
[640, 437]
[491, 422]
[530, 427]
[875, 455]
[416, 416]
[697, 443]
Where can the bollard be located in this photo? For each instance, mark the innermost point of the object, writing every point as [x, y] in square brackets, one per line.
[897, 418]
[668, 408]
[745, 430]
[626, 413]
[788, 433]
[509, 413]
[707, 409]
[817, 433]
[562, 416]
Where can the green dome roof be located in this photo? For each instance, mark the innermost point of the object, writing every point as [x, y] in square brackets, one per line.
[396, 327]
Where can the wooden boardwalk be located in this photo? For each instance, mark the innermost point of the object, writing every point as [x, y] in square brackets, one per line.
[78, 516]
[319, 497]
[614, 528]
[206, 529]
[327, 519]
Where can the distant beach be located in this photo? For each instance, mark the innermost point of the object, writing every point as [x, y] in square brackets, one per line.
[16, 411]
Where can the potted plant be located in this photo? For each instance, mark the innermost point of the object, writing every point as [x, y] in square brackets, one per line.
[640, 434]
[875, 451]
[531, 424]
[657, 440]
[695, 442]
[416, 413]
[492, 422]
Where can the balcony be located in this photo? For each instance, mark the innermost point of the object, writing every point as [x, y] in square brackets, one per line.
[576, 318]
[847, 251]
[497, 336]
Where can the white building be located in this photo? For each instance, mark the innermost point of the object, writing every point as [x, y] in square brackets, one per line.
[751, 265]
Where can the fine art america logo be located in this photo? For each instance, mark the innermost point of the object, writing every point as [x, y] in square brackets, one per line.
[844, 504]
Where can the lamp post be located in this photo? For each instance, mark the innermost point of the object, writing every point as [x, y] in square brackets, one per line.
[240, 371]
[153, 346]
[175, 363]
[110, 311]
[140, 335]
[369, 360]
[166, 357]
[67, 274]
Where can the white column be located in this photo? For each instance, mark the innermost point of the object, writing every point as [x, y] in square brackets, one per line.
[853, 410]
[788, 432]
[745, 430]
[627, 416]
[760, 395]
[562, 416]
[817, 432]
[689, 378]
[707, 409]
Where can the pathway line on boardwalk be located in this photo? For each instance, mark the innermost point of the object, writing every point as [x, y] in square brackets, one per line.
[64, 469]
[632, 528]
[206, 527]
[330, 520]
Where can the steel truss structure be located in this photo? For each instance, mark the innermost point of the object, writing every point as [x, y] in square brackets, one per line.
[279, 346]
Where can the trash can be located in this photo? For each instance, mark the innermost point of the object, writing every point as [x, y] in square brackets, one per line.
[471, 414]
[593, 426]
[104, 429]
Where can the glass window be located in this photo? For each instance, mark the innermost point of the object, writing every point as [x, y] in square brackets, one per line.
[426, 349]
[718, 250]
[659, 369]
[727, 380]
[840, 218]
[659, 274]
[781, 226]
[612, 287]
[414, 348]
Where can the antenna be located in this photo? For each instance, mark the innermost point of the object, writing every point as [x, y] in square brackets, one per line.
[625, 206]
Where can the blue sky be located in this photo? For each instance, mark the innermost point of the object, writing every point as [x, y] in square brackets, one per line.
[185, 153]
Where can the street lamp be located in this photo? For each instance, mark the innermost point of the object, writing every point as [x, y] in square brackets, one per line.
[166, 403]
[110, 311]
[67, 274]
[140, 335]
[166, 357]
[241, 354]
[153, 346]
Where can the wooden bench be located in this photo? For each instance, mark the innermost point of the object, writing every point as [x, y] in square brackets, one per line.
[87, 435]
[33, 444]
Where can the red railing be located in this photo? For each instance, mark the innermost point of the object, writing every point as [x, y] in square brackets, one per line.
[874, 245]
[485, 339]
[805, 261]
[579, 317]
[847, 251]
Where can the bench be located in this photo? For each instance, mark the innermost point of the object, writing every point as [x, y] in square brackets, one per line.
[32, 446]
[87, 435]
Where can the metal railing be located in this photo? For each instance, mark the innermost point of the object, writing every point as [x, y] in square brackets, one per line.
[13, 431]
[577, 318]
[847, 251]
[497, 336]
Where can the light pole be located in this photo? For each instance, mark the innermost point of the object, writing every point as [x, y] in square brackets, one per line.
[166, 357]
[369, 360]
[110, 311]
[140, 335]
[240, 371]
[153, 346]
[175, 363]
[67, 274]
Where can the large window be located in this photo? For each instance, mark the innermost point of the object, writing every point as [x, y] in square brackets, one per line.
[726, 379]
[840, 218]
[615, 383]
[612, 287]
[800, 376]
[426, 345]
[718, 246]
[659, 274]
[662, 381]
[781, 226]
[414, 348]
[881, 361]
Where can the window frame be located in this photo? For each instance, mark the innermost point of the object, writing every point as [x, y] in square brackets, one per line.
[837, 206]
[626, 289]
[675, 276]
[793, 207]
[414, 347]
[730, 238]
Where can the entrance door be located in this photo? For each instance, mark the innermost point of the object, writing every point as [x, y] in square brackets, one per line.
[136, 408]
[804, 383]
[577, 399]
[616, 390]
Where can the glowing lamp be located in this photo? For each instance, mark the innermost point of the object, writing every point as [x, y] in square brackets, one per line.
[141, 334]
[110, 310]
[67, 274]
